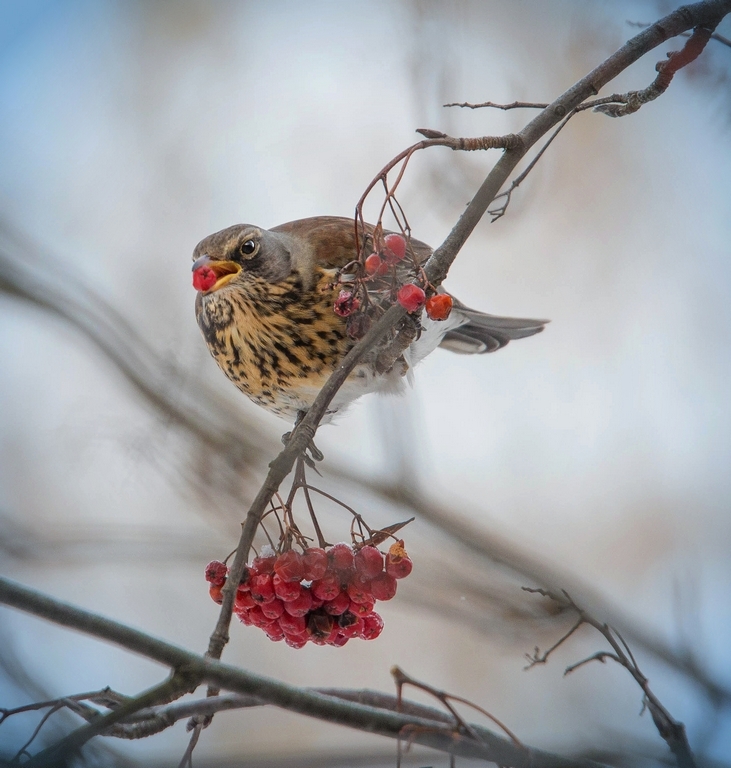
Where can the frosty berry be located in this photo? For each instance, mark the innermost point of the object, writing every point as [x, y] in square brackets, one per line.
[411, 297]
[322, 596]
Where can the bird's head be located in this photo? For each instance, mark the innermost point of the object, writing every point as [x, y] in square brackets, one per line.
[237, 254]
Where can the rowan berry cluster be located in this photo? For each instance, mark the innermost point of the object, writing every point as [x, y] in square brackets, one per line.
[411, 296]
[322, 596]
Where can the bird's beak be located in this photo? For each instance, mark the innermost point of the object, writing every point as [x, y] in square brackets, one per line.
[223, 273]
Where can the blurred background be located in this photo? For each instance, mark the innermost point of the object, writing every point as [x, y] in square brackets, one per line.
[592, 457]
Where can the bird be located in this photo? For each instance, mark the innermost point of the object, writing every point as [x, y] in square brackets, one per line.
[266, 312]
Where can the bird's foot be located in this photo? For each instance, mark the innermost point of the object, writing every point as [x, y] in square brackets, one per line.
[311, 453]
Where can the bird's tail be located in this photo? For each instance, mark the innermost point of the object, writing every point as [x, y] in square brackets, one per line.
[487, 333]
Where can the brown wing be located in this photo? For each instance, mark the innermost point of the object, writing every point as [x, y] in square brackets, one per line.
[333, 239]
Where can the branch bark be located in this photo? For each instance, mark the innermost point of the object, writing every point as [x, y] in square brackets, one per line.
[434, 733]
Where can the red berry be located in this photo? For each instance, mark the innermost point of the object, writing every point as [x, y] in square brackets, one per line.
[410, 297]
[383, 586]
[374, 265]
[338, 639]
[398, 563]
[215, 592]
[263, 564]
[244, 617]
[368, 562]
[204, 278]
[337, 605]
[262, 589]
[361, 609]
[296, 641]
[399, 569]
[350, 624]
[341, 557]
[286, 590]
[292, 625]
[439, 306]
[359, 590]
[257, 617]
[372, 626]
[301, 606]
[395, 248]
[289, 566]
[216, 572]
[273, 610]
[327, 587]
[274, 632]
[243, 601]
[315, 563]
[345, 304]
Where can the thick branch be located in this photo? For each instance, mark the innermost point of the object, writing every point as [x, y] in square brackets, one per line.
[432, 733]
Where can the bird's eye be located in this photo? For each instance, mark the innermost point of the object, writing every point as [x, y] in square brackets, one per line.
[248, 247]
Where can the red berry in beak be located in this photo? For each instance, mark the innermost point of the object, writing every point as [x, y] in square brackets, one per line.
[204, 278]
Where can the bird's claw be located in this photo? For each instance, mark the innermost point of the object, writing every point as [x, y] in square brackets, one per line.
[315, 454]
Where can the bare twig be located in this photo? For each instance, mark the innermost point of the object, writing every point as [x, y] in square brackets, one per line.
[671, 730]
[401, 679]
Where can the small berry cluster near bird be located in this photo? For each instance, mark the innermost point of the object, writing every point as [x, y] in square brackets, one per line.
[326, 597]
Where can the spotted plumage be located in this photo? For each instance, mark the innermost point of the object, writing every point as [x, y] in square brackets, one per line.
[269, 323]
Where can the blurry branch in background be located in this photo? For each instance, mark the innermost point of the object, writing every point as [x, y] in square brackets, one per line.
[376, 715]
[27, 275]
[234, 441]
[672, 731]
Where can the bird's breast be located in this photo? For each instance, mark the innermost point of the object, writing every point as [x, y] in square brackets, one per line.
[278, 342]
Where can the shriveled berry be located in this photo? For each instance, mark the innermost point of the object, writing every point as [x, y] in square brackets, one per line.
[314, 560]
[215, 592]
[411, 297]
[398, 563]
[273, 610]
[360, 591]
[368, 562]
[394, 248]
[319, 625]
[358, 325]
[383, 586]
[327, 587]
[438, 307]
[204, 278]
[262, 589]
[301, 606]
[216, 572]
[372, 626]
[289, 566]
[341, 557]
[337, 605]
[346, 303]
[286, 590]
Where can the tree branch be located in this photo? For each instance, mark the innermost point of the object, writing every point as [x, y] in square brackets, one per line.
[432, 733]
